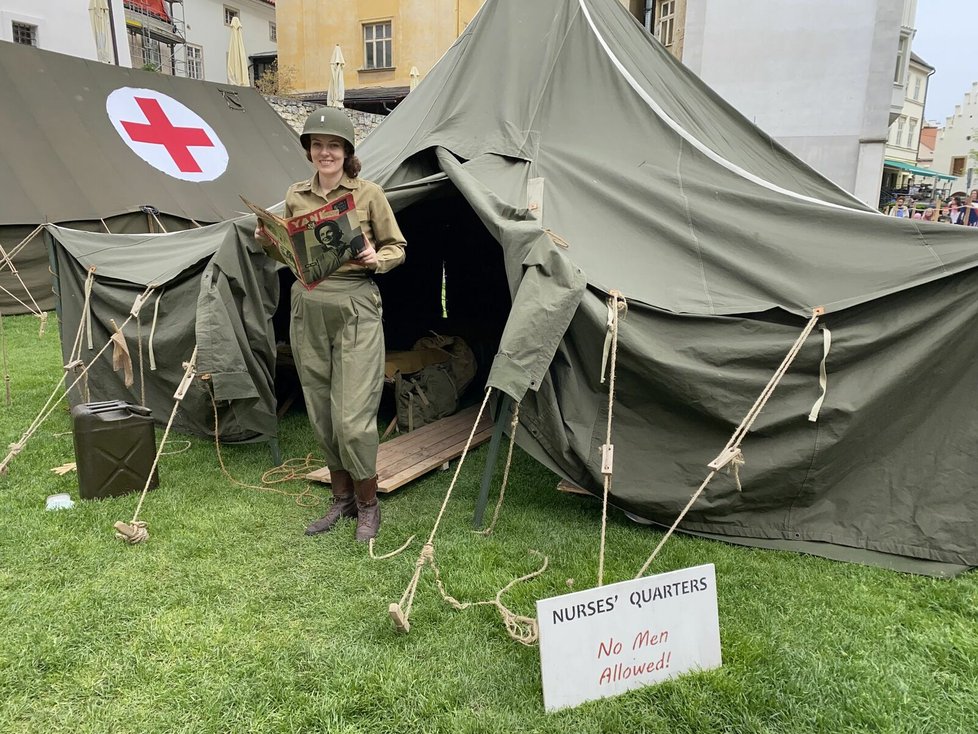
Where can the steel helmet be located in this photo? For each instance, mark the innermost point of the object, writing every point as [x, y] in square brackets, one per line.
[328, 121]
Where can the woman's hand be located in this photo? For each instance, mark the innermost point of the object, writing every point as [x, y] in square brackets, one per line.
[260, 234]
[367, 257]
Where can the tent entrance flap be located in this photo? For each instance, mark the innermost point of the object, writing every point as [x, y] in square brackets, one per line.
[546, 286]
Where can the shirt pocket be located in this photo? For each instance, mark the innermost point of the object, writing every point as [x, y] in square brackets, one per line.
[364, 216]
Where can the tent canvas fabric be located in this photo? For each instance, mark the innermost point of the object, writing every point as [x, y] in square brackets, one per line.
[63, 161]
[213, 288]
[599, 163]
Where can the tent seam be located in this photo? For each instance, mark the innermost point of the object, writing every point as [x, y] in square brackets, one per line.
[930, 248]
[550, 73]
[808, 474]
[692, 230]
[699, 145]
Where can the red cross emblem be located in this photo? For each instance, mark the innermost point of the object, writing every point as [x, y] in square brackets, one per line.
[167, 134]
[160, 131]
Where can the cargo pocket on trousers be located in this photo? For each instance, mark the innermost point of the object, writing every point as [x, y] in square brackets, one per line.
[355, 311]
[296, 323]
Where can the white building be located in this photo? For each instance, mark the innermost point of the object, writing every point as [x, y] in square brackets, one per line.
[826, 78]
[61, 25]
[208, 28]
[956, 149]
[191, 38]
[186, 38]
[906, 169]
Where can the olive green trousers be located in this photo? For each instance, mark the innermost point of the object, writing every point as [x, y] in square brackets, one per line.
[338, 346]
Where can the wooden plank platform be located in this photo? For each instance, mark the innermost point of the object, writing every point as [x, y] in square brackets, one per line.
[410, 455]
[564, 486]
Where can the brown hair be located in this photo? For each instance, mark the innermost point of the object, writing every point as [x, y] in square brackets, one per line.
[351, 164]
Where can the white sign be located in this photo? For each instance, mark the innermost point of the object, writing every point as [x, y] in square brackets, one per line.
[169, 136]
[611, 639]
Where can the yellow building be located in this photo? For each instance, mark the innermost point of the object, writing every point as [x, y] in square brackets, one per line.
[381, 40]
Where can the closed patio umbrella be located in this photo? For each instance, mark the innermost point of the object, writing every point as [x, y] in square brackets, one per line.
[98, 12]
[237, 60]
[337, 90]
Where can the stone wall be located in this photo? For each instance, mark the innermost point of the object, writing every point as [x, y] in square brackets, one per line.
[295, 112]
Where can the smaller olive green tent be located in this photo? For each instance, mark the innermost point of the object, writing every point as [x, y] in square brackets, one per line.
[109, 160]
[212, 288]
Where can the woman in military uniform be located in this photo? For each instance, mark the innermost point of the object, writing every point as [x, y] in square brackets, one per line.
[336, 333]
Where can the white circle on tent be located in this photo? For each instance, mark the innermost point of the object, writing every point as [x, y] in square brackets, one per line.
[167, 134]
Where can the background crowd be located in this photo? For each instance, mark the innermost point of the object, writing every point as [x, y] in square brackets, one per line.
[958, 209]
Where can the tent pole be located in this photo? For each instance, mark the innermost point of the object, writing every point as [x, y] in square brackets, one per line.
[502, 408]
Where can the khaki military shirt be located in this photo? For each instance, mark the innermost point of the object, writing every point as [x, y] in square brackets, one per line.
[376, 217]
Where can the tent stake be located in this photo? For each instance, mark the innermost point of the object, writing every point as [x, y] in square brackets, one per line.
[502, 408]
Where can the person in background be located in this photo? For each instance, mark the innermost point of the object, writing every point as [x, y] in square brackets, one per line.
[929, 215]
[900, 208]
[971, 213]
[336, 331]
[956, 211]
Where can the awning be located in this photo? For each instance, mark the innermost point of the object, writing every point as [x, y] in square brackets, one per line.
[916, 170]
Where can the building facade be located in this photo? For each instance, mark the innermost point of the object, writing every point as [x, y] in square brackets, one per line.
[66, 28]
[167, 36]
[956, 147]
[903, 140]
[825, 78]
[191, 38]
[381, 42]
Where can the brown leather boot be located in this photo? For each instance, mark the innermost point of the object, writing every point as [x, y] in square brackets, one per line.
[368, 509]
[344, 503]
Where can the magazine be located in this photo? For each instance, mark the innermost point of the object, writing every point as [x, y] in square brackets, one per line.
[314, 245]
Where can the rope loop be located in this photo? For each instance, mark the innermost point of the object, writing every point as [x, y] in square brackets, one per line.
[133, 533]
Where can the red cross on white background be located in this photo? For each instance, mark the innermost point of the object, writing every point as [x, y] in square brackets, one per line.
[167, 134]
[160, 131]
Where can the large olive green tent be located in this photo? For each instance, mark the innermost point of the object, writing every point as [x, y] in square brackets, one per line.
[598, 164]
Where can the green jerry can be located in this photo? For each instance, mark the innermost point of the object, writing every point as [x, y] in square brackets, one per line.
[115, 446]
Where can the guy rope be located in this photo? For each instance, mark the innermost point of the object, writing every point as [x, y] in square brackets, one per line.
[50, 406]
[521, 628]
[617, 307]
[731, 454]
[136, 530]
[7, 260]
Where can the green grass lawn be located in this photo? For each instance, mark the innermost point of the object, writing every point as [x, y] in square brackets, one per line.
[230, 620]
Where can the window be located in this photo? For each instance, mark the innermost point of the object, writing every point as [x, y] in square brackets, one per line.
[230, 14]
[957, 166]
[145, 52]
[901, 124]
[899, 74]
[195, 62]
[25, 33]
[917, 82]
[377, 52]
[911, 133]
[667, 22]
[272, 32]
